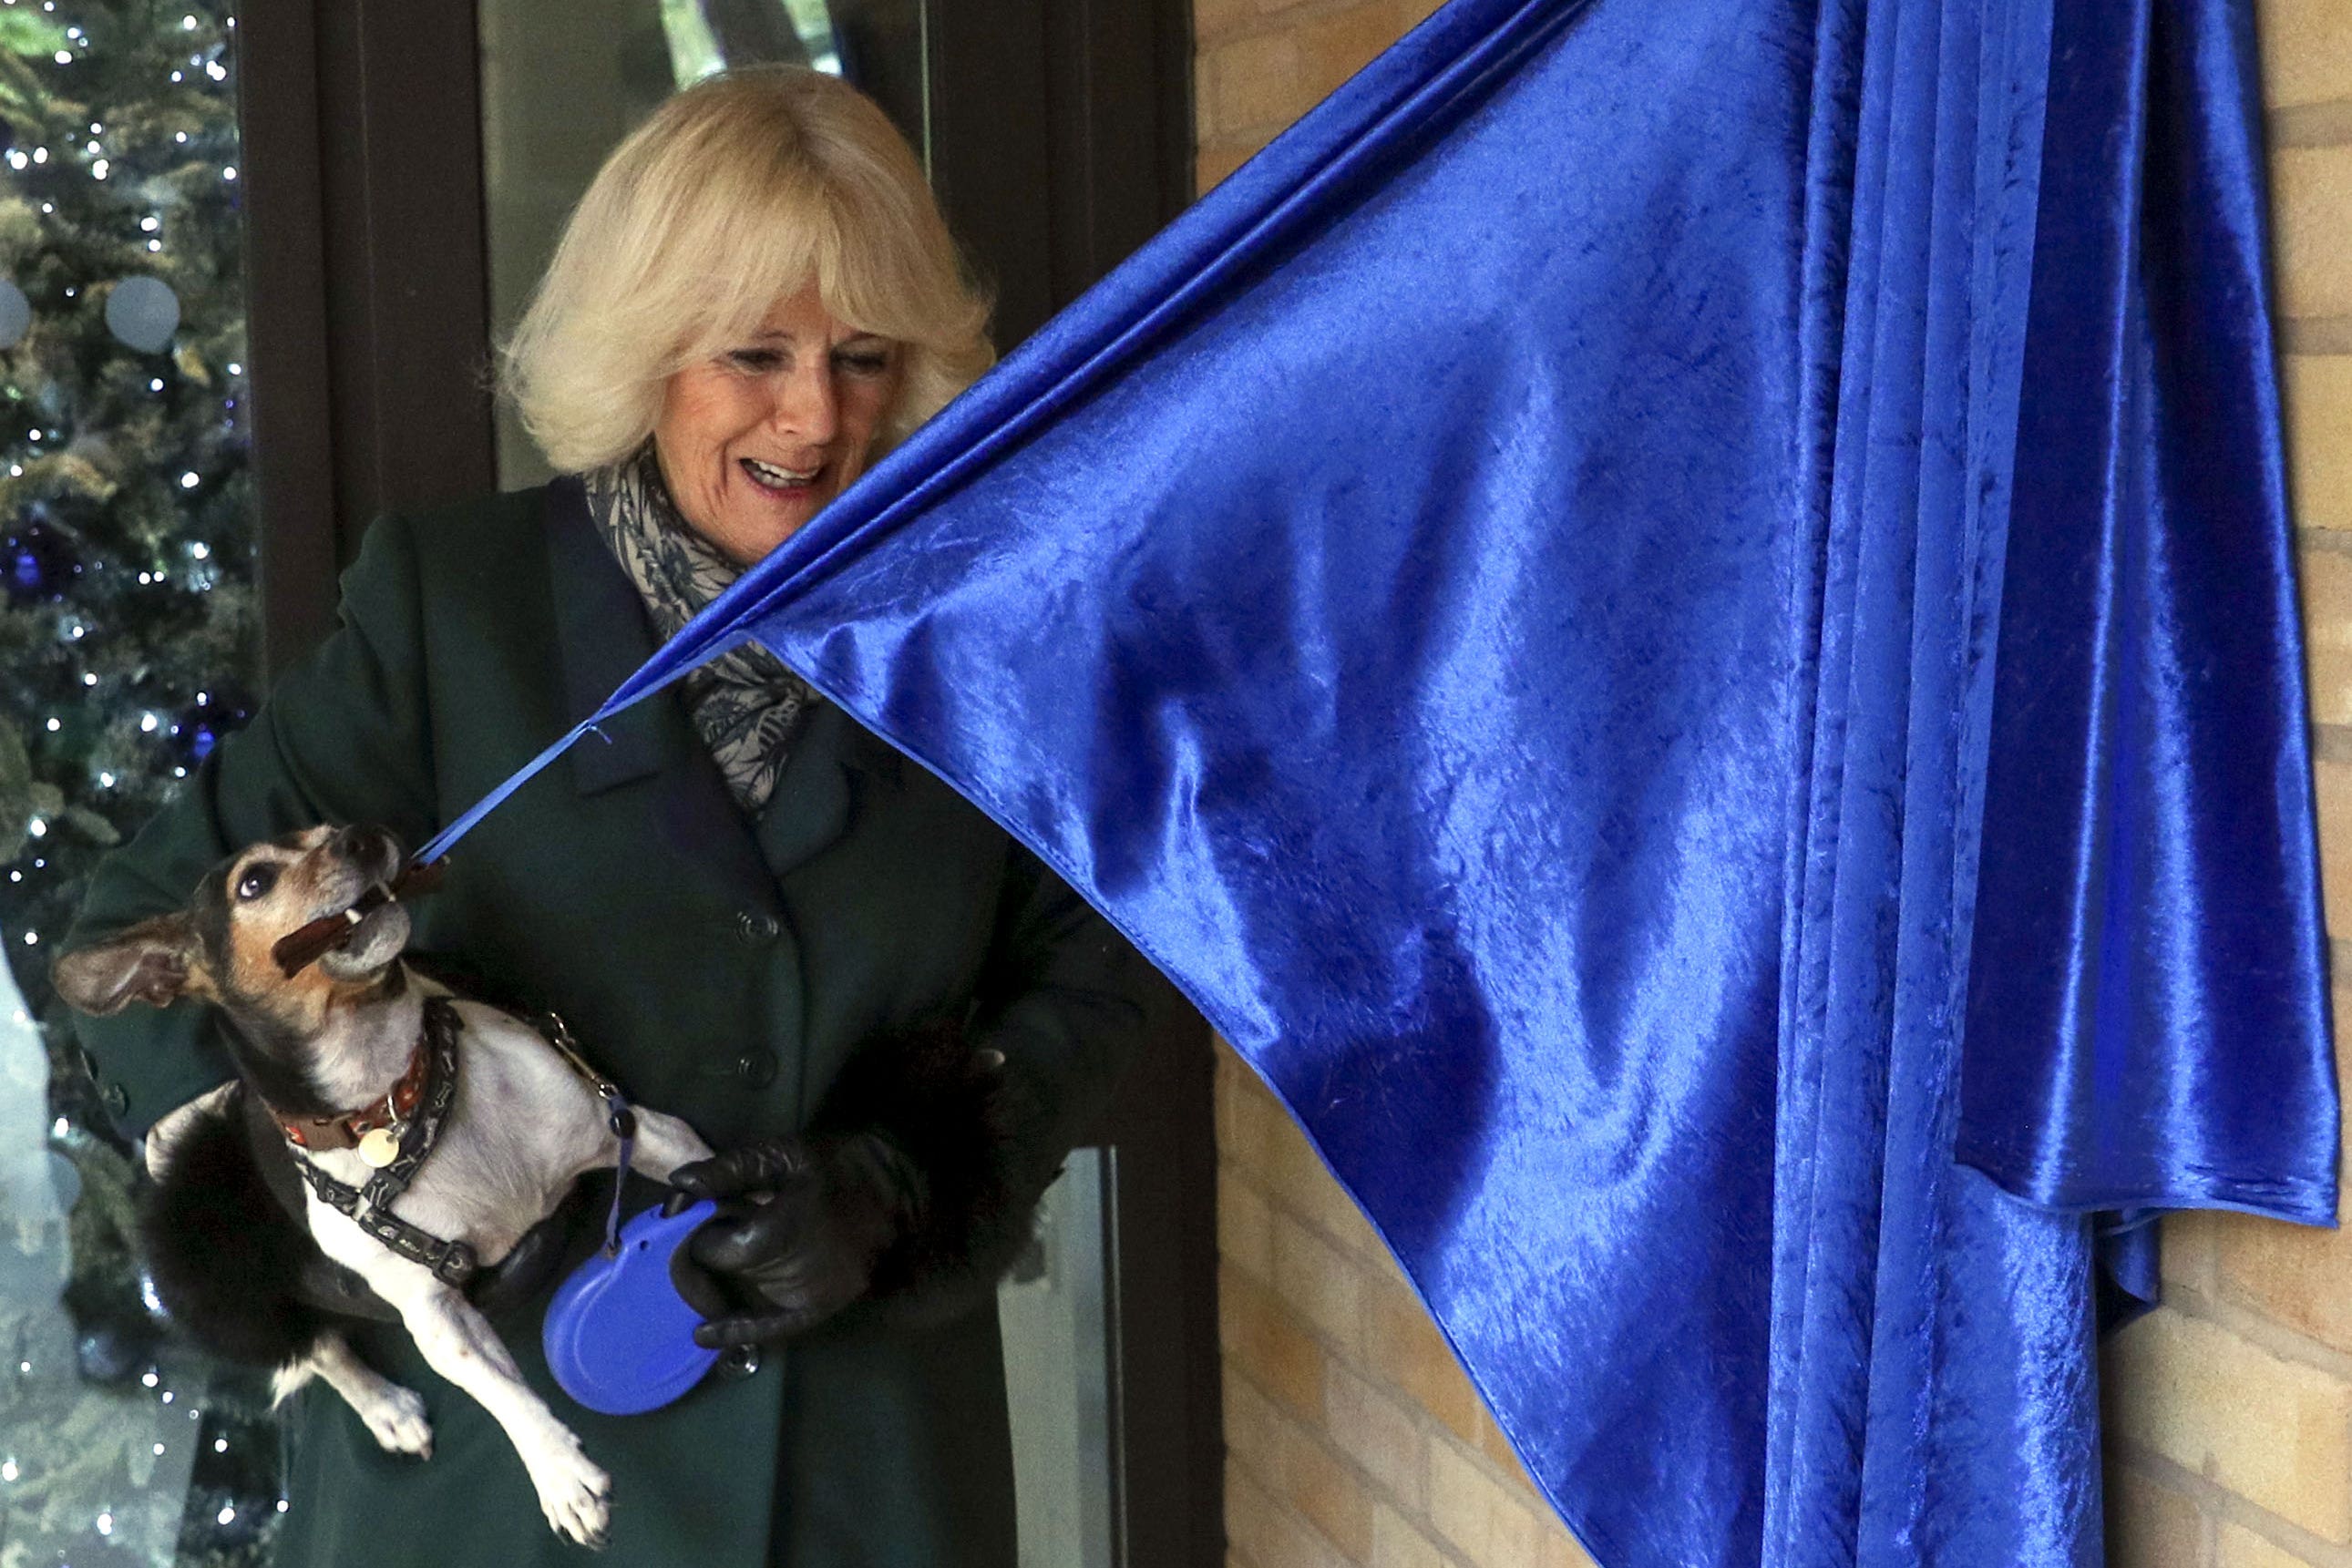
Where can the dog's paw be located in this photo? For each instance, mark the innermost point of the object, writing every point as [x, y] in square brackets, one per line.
[576, 1496]
[397, 1421]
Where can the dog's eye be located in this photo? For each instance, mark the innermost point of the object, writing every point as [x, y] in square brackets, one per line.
[256, 882]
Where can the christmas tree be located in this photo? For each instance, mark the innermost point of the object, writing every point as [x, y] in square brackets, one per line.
[127, 642]
[128, 645]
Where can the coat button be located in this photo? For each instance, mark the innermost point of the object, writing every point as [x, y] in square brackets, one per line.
[756, 1067]
[738, 1362]
[756, 927]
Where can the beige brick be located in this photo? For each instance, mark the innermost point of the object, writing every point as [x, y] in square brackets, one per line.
[1497, 1448]
[1322, 1284]
[2291, 1274]
[1334, 47]
[1250, 1120]
[1308, 1186]
[2332, 782]
[1215, 18]
[2241, 1548]
[1245, 1224]
[1483, 1520]
[1377, 1432]
[2318, 391]
[2307, 51]
[2187, 1248]
[1315, 1193]
[1234, 1081]
[2278, 1434]
[1215, 162]
[2311, 226]
[1324, 1492]
[1292, 1165]
[2326, 584]
[1560, 1550]
[1404, 1348]
[1252, 1430]
[1348, 1225]
[1397, 1544]
[1265, 1533]
[2324, 580]
[1205, 111]
[1253, 81]
[2340, 1008]
[1280, 1358]
[2150, 1525]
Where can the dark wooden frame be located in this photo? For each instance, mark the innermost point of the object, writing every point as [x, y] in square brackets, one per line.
[1066, 142]
[368, 289]
[1062, 140]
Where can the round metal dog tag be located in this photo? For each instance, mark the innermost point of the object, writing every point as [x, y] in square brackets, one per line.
[379, 1147]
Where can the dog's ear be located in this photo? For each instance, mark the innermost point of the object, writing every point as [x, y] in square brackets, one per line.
[154, 962]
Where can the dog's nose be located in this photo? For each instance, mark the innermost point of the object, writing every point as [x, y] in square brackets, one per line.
[372, 847]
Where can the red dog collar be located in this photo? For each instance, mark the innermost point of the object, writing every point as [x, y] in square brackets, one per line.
[345, 1131]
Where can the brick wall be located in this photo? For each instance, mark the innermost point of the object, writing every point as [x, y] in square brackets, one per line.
[1353, 1437]
[2230, 1409]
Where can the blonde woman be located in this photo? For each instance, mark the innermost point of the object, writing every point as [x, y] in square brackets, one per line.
[736, 902]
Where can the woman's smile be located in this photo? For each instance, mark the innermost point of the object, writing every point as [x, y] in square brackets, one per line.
[755, 441]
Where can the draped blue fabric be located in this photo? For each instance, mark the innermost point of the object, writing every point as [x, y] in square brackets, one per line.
[2150, 674]
[1676, 618]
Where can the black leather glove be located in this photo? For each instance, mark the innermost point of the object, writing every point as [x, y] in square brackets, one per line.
[913, 1190]
[801, 1227]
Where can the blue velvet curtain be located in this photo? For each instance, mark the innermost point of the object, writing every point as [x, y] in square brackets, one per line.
[1676, 616]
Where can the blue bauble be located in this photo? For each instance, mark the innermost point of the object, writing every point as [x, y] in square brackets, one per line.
[36, 562]
[216, 712]
[143, 313]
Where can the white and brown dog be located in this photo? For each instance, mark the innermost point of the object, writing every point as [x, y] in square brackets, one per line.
[358, 1063]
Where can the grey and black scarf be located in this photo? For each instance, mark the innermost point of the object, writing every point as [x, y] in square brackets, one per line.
[746, 705]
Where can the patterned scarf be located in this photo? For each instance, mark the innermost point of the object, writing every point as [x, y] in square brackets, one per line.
[745, 705]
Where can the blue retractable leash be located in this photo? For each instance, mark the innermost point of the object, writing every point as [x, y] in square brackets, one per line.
[619, 1335]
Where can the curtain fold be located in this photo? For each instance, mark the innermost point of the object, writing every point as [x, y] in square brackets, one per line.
[2151, 779]
[1671, 615]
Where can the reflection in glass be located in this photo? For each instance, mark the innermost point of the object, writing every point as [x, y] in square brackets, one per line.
[129, 631]
[1056, 1320]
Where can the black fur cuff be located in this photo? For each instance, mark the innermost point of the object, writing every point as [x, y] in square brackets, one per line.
[957, 1115]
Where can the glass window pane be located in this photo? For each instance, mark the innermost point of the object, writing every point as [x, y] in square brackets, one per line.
[129, 631]
[565, 80]
[1055, 1314]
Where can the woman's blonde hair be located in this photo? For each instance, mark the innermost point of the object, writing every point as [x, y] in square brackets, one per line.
[735, 194]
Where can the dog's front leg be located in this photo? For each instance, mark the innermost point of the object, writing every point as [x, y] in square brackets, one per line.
[395, 1416]
[457, 1343]
[664, 1143]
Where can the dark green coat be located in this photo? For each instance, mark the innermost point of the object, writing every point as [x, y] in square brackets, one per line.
[719, 969]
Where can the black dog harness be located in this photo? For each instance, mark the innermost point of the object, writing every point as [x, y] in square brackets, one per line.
[370, 1208]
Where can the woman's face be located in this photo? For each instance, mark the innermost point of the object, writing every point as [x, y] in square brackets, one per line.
[753, 442]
